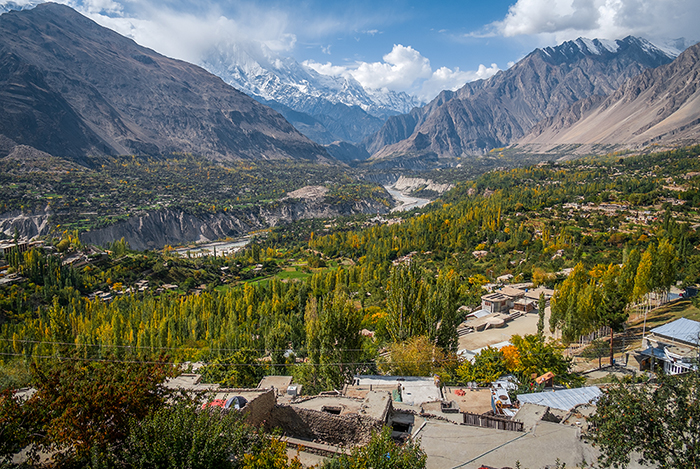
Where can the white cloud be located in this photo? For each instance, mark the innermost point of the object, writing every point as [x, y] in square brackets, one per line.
[191, 33]
[405, 69]
[185, 35]
[399, 70]
[559, 20]
[446, 79]
[328, 68]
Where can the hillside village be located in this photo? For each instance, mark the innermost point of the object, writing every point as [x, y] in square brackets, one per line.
[457, 426]
[251, 235]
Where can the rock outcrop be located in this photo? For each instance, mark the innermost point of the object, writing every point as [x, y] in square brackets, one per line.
[154, 230]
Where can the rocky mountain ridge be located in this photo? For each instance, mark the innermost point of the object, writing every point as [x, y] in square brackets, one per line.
[659, 106]
[491, 113]
[74, 89]
[341, 106]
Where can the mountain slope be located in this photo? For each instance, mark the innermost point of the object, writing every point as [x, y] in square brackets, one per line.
[490, 113]
[659, 106]
[72, 88]
[343, 107]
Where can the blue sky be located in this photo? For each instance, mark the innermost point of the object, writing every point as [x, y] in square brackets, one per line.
[420, 47]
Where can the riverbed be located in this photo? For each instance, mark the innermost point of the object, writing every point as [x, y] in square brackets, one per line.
[222, 248]
[406, 202]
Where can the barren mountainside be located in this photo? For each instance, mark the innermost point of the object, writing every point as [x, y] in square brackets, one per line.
[72, 88]
[490, 113]
[659, 106]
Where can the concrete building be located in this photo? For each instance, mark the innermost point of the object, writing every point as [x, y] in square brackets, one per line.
[496, 303]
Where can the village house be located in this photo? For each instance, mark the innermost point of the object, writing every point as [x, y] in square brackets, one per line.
[675, 346]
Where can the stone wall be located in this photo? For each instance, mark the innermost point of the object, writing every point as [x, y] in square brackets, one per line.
[258, 410]
[349, 429]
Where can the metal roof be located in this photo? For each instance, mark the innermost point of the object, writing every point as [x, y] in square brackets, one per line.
[682, 329]
[656, 352]
[565, 399]
[480, 313]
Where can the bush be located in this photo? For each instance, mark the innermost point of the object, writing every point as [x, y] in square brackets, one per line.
[181, 436]
[381, 453]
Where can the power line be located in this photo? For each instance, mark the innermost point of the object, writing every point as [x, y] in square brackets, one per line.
[155, 362]
[28, 341]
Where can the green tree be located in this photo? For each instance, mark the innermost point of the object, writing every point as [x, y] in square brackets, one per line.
[660, 422]
[382, 452]
[668, 260]
[333, 339]
[489, 365]
[537, 357]
[596, 349]
[181, 436]
[239, 369]
[83, 408]
[417, 356]
[404, 303]
[541, 305]
[612, 311]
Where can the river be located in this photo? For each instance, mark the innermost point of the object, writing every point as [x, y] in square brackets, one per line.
[406, 202]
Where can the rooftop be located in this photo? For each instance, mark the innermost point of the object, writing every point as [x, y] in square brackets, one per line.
[495, 297]
[189, 382]
[448, 446]
[512, 292]
[376, 404]
[280, 383]
[414, 390]
[476, 401]
[535, 294]
[684, 330]
[564, 399]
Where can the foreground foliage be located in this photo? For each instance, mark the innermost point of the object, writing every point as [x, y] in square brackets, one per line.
[381, 453]
[181, 436]
[116, 415]
[659, 424]
[80, 408]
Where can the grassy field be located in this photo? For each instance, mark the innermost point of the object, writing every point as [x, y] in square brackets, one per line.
[666, 313]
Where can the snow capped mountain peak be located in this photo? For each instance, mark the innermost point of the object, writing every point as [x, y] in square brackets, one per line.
[258, 71]
[604, 47]
[597, 46]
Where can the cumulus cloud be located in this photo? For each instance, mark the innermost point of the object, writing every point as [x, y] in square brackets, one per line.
[399, 70]
[611, 19]
[405, 69]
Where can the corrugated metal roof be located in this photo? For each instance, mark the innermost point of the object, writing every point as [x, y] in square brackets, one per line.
[565, 399]
[682, 329]
[656, 352]
[480, 313]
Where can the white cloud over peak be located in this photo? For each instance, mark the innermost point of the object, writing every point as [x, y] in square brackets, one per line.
[399, 70]
[404, 69]
[561, 20]
[446, 79]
